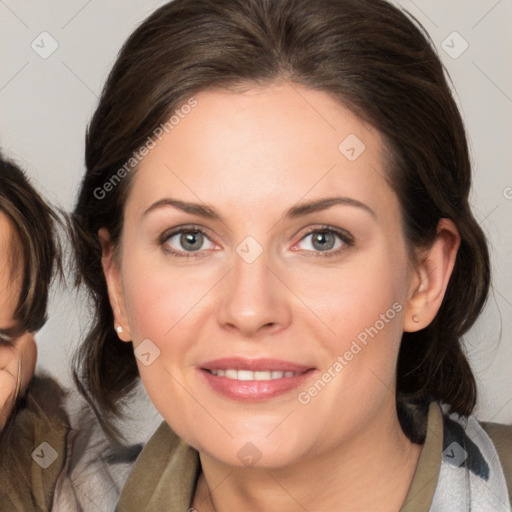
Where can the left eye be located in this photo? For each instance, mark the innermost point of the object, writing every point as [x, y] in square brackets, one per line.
[323, 240]
[188, 241]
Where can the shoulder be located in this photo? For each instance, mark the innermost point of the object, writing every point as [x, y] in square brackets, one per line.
[33, 447]
[471, 473]
[96, 465]
[164, 475]
[501, 437]
[482, 453]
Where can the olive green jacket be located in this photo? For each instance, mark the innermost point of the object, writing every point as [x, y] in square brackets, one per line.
[166, 472]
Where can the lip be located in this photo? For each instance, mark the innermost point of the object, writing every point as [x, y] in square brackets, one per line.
[254, 390]
[255, 365]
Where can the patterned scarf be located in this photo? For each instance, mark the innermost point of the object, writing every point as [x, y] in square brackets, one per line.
[471, 477]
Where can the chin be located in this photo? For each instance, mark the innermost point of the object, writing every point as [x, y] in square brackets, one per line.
[256, 452]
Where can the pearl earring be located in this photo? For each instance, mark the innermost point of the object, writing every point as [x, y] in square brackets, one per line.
[415, 318]
[119, 329]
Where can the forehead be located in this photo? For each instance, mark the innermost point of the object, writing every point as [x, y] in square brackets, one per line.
[9, 243]
[6, 236]
[265, 146]
[9, 279]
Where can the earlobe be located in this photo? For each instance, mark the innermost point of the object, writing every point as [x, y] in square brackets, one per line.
[433, 273]
[112, 275]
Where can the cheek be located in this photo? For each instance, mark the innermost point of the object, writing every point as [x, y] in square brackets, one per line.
[361, 307]
[364, 314]
[162, 307]
[355, 297]
[160, 296]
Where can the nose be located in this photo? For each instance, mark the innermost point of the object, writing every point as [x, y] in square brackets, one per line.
[253, 300]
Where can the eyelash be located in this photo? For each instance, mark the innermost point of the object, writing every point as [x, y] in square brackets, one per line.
[346, 239]
[344, 236]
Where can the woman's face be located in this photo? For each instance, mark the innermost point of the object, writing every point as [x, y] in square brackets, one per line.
[261, 237]
[24, 347]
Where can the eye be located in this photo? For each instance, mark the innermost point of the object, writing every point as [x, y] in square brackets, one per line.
[4, 338]
[179, 242]
[325, 240]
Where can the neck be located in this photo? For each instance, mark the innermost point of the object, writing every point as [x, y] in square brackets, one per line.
[371, 471]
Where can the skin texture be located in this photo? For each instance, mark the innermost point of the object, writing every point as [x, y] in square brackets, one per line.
[23, 351]
[251, 156]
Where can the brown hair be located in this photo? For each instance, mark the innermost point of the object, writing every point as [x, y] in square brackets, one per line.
[35, 252]
[373, 58]
[33, 258]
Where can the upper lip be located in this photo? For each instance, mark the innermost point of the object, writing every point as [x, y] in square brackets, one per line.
[261, 364]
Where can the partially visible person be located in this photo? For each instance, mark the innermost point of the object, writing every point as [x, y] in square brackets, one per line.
[19, 313]
[31, 411]
[17, 364]
[53, 453]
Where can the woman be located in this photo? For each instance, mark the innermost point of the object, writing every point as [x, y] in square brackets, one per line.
[275, 230]
[33, 421]
[50, 459]
[27, 259]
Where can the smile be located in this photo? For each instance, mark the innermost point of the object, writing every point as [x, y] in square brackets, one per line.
[250, 375]
[254, 380]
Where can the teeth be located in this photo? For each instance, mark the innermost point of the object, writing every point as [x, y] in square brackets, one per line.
[260, 375]
[248, 375]
[245, 375]
[231, 374]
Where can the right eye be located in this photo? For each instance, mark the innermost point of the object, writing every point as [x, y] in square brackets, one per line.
[186, 240]
[4, 338]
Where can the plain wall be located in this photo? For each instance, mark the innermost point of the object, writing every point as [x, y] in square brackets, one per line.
[46, 104]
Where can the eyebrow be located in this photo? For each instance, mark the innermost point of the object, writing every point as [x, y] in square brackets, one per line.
[324, 204]
[208, 212]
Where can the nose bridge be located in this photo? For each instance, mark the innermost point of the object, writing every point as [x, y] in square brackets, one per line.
[252, 297]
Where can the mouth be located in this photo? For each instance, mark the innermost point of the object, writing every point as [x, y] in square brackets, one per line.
[245, 375]
[253, 379]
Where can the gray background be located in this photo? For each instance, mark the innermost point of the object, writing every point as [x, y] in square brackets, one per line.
[46, 104]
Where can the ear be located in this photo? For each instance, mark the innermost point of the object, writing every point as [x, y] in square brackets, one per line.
[431, 278]
[112, 274]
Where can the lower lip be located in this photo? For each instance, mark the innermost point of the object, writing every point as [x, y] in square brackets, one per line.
[254, 390]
